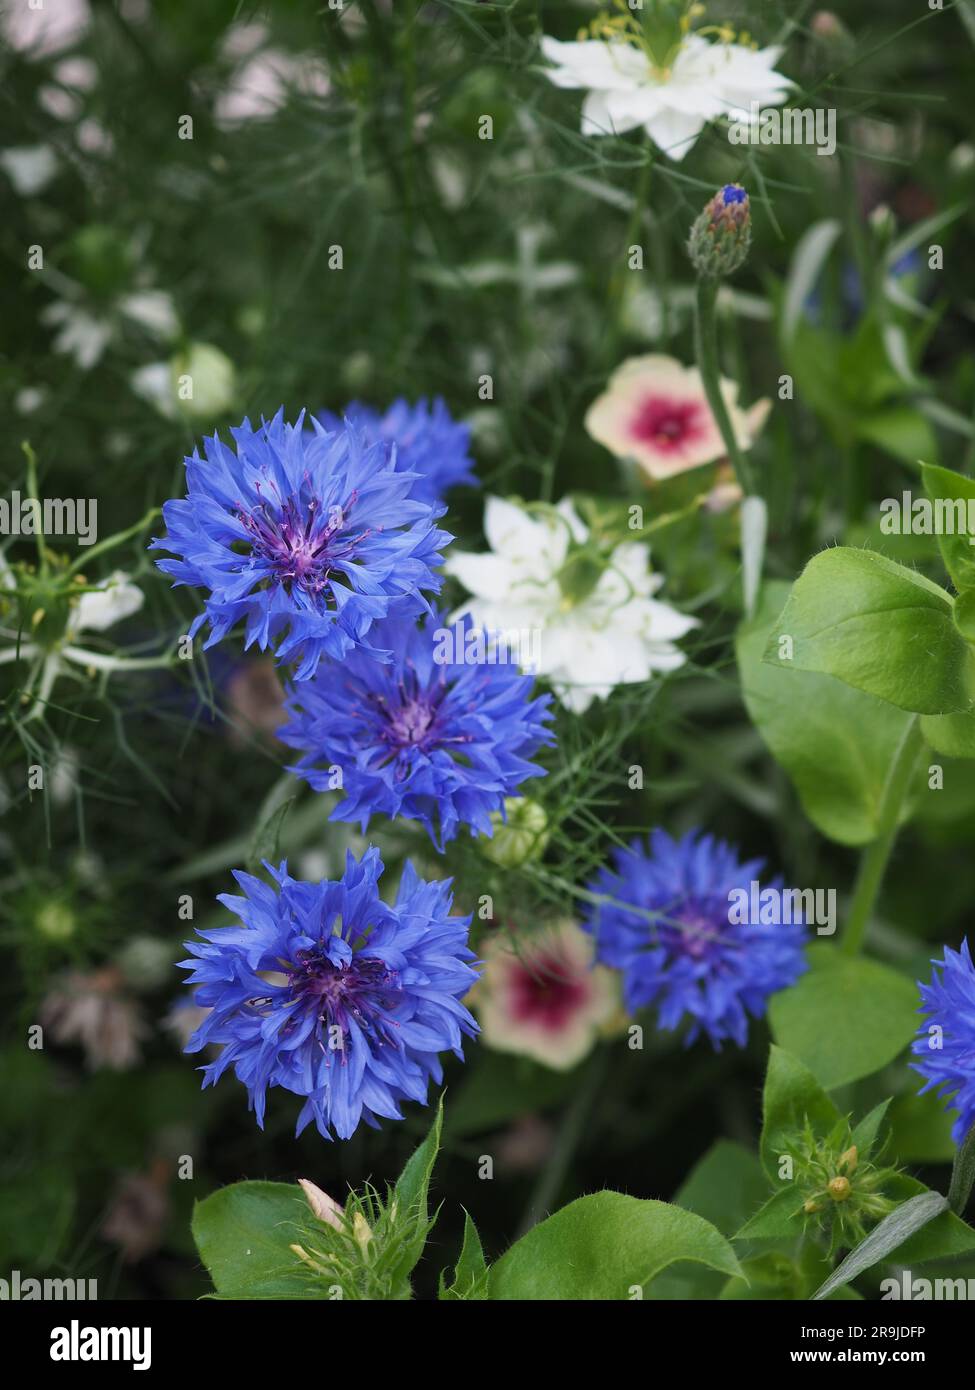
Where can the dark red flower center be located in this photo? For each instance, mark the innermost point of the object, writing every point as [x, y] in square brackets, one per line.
[669, 425]
[547, 990]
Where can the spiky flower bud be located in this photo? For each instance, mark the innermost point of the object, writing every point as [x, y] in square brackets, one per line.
[722, 233]
[839, 1189]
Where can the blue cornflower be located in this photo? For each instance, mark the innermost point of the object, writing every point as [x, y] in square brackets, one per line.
[308, 535]
[428, 440]
[428, 736]
[697, 957]
[947, 1055]
[333, 994]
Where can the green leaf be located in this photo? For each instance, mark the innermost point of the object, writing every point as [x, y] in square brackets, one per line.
[779, 1218]
[471, 1274]
[604, 1247]
[792, 1094]
[956, 494]
[962, 1175]
[920, 1129]
[410, 1194]
[724, 1187]
[885, 1238]
[944, 1237]
[900, 431]
[879, 627]
[964, 614]
[839, 753]
[846, 1018]
[951, 735]
[244, 1233]
[865, 1133]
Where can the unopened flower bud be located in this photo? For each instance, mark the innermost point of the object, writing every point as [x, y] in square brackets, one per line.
[323, 1206]
[839, 1189]
[848, 1160]
[521, 836]
[722, 233]
[811, 1206]
[361, 1230]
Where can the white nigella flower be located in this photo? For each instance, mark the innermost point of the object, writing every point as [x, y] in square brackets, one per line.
[102, 607]
[84, 335]
[595, 614]
[96, 610]
[671, 88]
[30, 168]
[655, 411]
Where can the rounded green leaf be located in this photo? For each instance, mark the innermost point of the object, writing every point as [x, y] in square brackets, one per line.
[244, 1233]
[838, 753]
[605, 1246]
[879, 627]
[846, 1018]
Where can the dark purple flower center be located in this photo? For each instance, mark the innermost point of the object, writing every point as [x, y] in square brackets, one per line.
[692, 930]
[410, 719]
[362, 992]
[301, 543]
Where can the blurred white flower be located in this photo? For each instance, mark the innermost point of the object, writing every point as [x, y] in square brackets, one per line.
[43, 30]
[598, 621]
[262, 82]
[673, 103]
[85, 336]
[655, 411]
[108, 603]
[541, 997]
[30, 168]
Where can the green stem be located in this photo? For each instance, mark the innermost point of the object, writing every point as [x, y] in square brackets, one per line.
[706, 351]
[618, 280]
[873, 863]
[576, 1120]
[112, 542]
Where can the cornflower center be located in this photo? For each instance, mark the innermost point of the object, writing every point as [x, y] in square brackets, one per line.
[302, 542]
[362, 992]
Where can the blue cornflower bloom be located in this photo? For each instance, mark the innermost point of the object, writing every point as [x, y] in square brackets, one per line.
[308, 535]
[333, 994]
[428, 440]
[947, 1056]
[698, 957]
[429, 736]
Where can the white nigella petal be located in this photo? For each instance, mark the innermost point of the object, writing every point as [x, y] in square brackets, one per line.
[114, 599]
[626, 88]
[598, 627]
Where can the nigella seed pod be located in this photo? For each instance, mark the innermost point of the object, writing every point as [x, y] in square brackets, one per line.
[722, 233]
